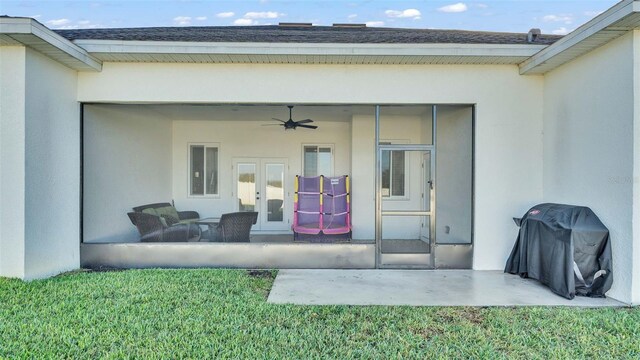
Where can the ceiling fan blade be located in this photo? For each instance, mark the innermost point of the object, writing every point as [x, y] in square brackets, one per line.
[305, 121]
[272, 125]
[308, 126]
[279, 120]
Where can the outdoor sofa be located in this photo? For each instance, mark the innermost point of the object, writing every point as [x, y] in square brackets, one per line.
[161, 222]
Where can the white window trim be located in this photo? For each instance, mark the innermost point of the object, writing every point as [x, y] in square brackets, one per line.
[319, 145]
[206, 145]
[407, 175]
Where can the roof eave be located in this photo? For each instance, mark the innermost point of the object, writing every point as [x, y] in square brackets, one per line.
[301, 52]
[613, 23]
[30, 33]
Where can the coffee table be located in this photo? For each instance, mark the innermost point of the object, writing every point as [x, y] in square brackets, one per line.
[212, 223]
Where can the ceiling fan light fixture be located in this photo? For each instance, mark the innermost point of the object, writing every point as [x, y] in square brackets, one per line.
[291, 124]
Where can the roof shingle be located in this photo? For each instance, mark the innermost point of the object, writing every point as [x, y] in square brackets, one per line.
[314, 34]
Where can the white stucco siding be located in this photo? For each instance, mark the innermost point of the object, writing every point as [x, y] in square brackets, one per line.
[454, 175]
[12, 160]
[52, 168]
[508, 130]
[588, 145]
[127, 163]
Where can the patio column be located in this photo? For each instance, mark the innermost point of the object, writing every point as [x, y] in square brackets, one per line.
[12, 160]
[635, 281]
[39, 165]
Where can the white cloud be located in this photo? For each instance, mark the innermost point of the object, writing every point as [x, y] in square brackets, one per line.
[226, 14]
[244, 22]
[201, 18]
[592, 13]
[408, 13]
[262, 15]
[58, 22]
[454, 8]
[567, 19]
[85, 24]
[352, 16]
[374, 23]
[561, 31]
[182, 20]
[481, 6]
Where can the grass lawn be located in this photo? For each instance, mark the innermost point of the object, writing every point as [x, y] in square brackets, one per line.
[224, 314]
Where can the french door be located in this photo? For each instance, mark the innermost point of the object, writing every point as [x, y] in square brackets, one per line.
[260, 185]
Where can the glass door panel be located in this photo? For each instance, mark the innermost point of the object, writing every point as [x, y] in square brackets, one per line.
[273, 204]
[406, 180]
[274, 193]
[246, 186]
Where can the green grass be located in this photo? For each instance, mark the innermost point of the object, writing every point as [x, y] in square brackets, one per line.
[224, 314]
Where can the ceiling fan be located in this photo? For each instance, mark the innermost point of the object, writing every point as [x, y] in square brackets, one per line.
[290, 124]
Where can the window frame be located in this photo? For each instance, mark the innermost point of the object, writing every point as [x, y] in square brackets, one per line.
[407, 175]
[320, 145]
[206, 145]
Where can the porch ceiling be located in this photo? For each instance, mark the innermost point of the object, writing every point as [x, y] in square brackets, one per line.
[245, 112]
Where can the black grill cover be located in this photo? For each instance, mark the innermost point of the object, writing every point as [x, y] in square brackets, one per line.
[566, 248]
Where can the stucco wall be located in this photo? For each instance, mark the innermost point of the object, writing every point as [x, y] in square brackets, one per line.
[52, 197]
[508, 129]
[588, 144]
[454, 175]
[39, 165]
[127, 162]
[12, 157]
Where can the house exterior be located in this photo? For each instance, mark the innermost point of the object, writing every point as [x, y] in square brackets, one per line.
[445, 135]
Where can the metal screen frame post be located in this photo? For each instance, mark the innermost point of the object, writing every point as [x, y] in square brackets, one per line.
[378, 190]
[434, 184]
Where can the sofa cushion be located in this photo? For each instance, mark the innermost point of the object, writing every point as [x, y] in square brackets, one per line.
[169, 213]
[150, 211]
[187, 221]
[154, 212]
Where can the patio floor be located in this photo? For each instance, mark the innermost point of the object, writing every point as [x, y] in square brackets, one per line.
[417, 288]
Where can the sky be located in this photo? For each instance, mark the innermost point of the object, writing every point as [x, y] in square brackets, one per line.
[552, 17]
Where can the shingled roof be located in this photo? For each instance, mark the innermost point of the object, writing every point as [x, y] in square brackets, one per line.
[305, 34]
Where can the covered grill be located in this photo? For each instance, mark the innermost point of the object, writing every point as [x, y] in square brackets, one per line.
[566, 248]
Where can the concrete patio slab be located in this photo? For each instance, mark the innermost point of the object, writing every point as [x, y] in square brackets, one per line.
[417, 288]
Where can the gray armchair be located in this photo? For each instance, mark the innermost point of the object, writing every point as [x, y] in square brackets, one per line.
[234, 227]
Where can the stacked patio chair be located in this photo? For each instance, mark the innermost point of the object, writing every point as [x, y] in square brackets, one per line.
[322, 209]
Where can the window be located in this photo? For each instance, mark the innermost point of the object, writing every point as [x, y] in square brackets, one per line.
[317, 160]
[393, 173]
[203, 170]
